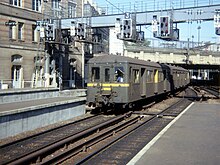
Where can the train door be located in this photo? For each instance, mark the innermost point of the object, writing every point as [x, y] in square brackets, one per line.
[165, 88]
[130, 82]
[143, 82]
[156, 79]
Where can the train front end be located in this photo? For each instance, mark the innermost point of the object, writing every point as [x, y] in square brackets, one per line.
[107, 83]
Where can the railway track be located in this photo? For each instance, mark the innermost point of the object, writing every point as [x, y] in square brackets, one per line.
[207, 92]
[88, 140]
[23, 148]
[213, 91]
[128, 143]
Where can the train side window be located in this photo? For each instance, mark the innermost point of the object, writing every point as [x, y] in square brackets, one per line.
[107, 75]
[156, 76]
[161, 77]
[136, 76]
[149, 76]
[95, 74]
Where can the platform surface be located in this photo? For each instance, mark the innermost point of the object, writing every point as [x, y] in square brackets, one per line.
[17, 107]
[191, 139]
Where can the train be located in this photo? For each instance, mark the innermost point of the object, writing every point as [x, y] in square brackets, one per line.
[115, 80]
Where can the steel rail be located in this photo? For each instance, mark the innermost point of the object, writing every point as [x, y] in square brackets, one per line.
[153, 118]
[37, 155]
[46, 131]
[90, 142]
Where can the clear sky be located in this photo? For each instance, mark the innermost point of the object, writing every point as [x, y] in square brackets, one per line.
[207, 31]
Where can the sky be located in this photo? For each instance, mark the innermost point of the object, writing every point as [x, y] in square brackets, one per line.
[187, 30]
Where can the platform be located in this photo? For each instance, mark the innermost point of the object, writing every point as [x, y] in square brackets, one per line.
[25, 113]
[192, 138]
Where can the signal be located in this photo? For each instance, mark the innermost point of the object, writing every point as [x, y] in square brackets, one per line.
[50, 32]
[217, 22]
[73, 29]
[164, 28]
[217, 30]
[81, 31]
[126, 29]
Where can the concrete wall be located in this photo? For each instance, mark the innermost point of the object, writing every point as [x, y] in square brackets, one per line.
[24, 95]
[13, 124]
[175, 57]
[8, 97]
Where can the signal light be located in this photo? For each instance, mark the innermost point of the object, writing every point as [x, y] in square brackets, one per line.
[164, 26]
[127, 28]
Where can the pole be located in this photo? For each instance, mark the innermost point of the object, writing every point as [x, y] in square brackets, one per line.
[46, 66]
[83, 53]
[199, 27]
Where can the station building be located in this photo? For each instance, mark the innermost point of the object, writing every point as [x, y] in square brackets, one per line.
[22, 50]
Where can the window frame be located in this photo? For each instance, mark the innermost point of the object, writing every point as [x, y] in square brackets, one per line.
[150, 76]
[17, 3]
[136, 76]
[36, 5]
[121, 75]
[12, 31]
[55, 5]
[20, 31]
[72, 9]
[35, 33]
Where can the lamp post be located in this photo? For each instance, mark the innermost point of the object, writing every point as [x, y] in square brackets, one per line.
[199, 27]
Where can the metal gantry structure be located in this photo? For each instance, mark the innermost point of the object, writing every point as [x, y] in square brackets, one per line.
[174, 16]
[65, 31]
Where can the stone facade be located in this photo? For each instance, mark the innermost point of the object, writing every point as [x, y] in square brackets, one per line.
[21, 51]
[17, 47]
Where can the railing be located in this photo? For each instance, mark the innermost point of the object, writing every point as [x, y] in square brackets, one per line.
[9, 84]
[153, 43]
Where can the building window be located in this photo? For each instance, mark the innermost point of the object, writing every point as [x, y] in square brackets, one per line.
[56, 7]
[34, 33]
[12, 31]
[16, 2]
[20, 30]
[71, 10]
[36, 5]
[55, 4]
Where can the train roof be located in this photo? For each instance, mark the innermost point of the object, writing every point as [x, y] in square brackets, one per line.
[171, 67]
[121, 59]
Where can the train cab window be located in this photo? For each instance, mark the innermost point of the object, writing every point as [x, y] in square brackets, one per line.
[136, 76]
[95, 74]
[107, 75]
[119, 74]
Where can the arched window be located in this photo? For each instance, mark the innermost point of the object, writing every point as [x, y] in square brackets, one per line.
[16, 58]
